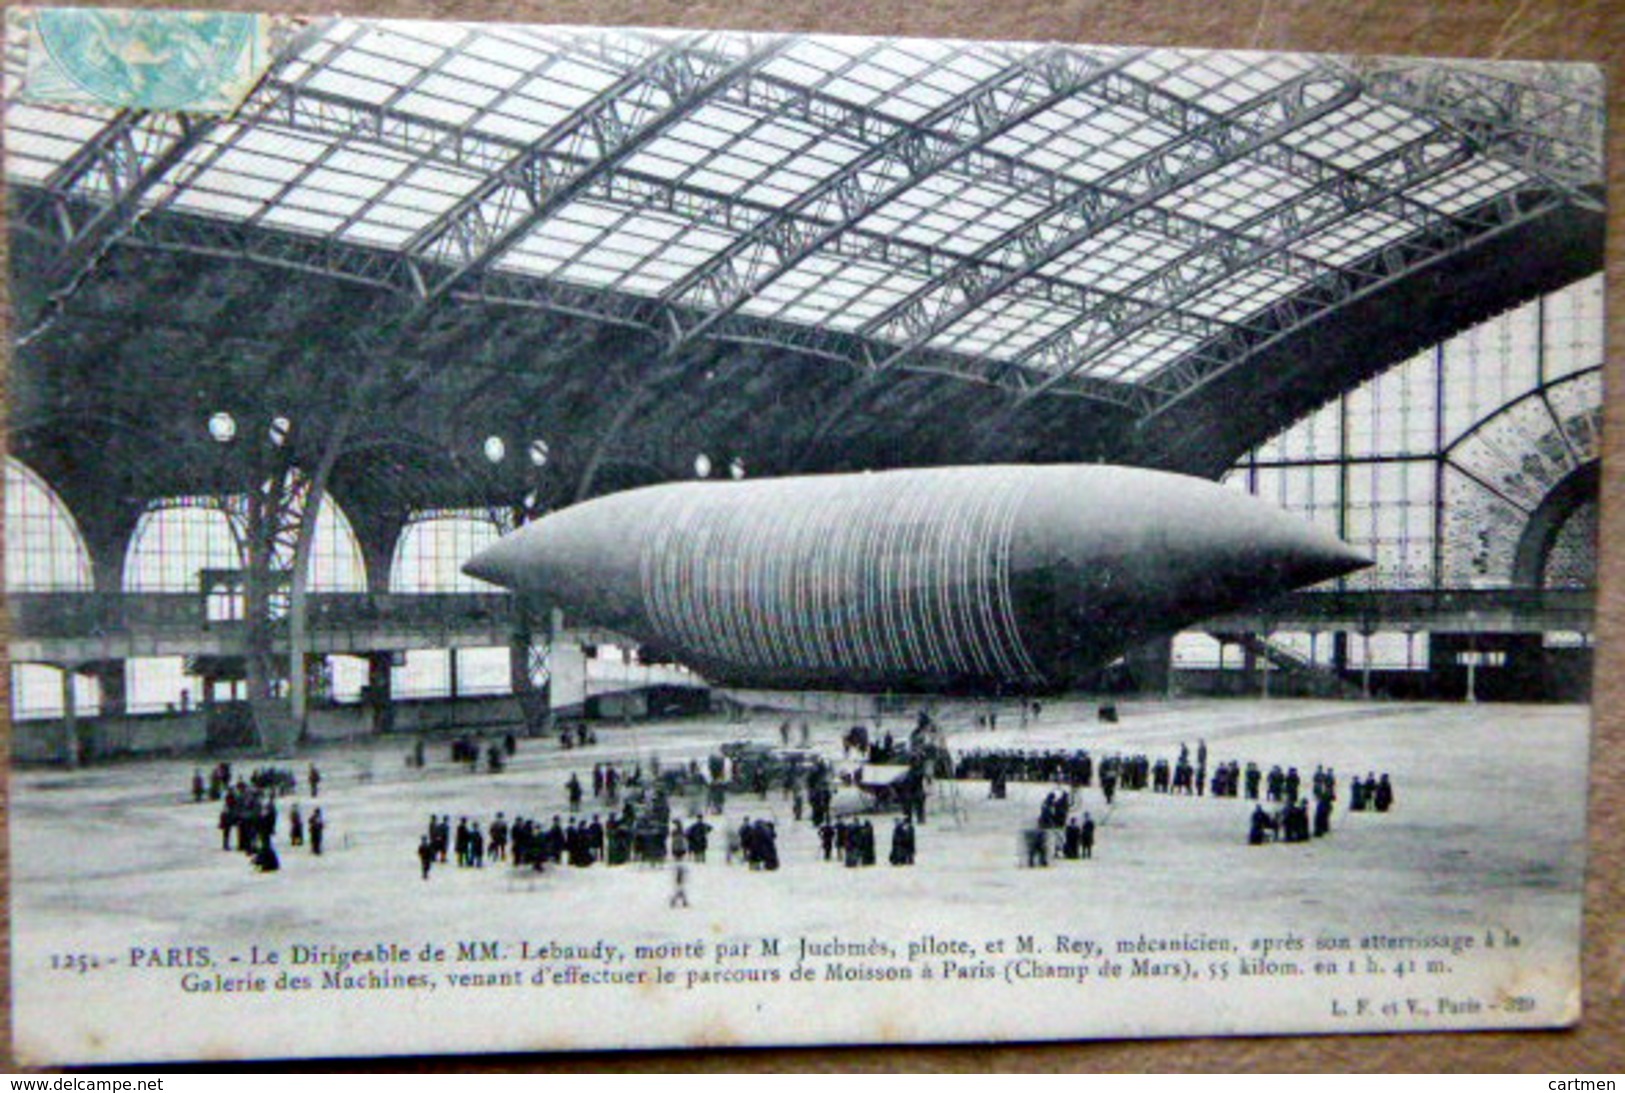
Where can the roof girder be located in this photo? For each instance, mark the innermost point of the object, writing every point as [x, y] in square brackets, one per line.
[890, 166]
[177, 232]
[669, 85]
[132, 154]
[1539, 129]
[979, 163]
[1500, 114]
[1210, 144]
[1316, 209]
[1399, 259]
[309, 169]
[303, 109]
[307, 110]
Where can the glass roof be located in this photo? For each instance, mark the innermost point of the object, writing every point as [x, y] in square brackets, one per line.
[1079, 213]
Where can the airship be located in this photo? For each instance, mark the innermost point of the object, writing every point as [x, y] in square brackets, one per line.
[999, 579]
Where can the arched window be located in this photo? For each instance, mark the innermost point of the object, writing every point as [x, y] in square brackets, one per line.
[44, 553]
[1572, 560]
[1433, 467]
[178, 538]
[336, 564]
[429, 559]
[44, 550]
[434, 546]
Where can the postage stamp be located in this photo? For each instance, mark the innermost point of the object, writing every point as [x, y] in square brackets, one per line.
[192, 61]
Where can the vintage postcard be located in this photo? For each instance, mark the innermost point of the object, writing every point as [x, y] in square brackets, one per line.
[535, 538]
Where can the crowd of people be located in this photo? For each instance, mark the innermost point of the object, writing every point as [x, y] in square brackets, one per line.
[641, 811]
[1301, 819]
[1072, 767]
[1291, 823]
[277, 780]
[633, 835]
[1182, 776]
[249, 817]
[1371, 795]
[851, 842]
[1059, 833]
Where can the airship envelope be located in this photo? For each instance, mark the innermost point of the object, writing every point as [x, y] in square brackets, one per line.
[982, 579]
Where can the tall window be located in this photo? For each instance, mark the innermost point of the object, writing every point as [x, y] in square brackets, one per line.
[434, 546]
[44, 550]
[178, 538]
[1433, 467]
[44, 553]
[429, 559]
[36, 693]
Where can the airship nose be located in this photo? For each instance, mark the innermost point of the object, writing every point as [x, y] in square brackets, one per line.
[1328, 556]
[1345, 559]
[497, 564]
[1308, 556]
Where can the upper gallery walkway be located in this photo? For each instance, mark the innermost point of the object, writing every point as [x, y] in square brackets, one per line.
[71, 628]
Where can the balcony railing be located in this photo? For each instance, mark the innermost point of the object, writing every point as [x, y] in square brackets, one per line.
[43, 615]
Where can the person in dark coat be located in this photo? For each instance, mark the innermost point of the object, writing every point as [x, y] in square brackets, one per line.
[296, 826]
[1323, 816]
[265, 859]
[1383, 795]
[1086, 837]
[425, 855]
[597, 843]
[440, 837]
[314, 778]
[699, 838]
[317, 826]
[908, 839]
[247, 820]
[1258, 829]
[1036, 841]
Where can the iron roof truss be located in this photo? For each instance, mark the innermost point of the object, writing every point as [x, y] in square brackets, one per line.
[1113, 224]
